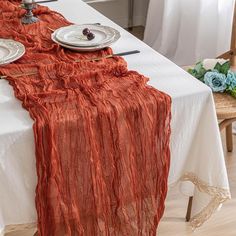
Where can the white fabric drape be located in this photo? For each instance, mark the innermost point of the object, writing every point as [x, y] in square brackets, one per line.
[186, 31]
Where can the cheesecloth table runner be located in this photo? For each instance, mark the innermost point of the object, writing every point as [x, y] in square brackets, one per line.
[101, 134]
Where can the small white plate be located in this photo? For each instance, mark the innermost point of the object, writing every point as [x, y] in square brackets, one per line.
[88, 49]
[10, 51]
[73, 35]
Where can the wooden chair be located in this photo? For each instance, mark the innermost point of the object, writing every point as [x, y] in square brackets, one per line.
[226, 112]
[224, 103]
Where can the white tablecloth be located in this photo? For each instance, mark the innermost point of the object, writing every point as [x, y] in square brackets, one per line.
[196, 150]
[186, 31]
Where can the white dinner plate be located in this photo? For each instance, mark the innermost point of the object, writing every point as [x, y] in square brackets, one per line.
[10, 51]
[88, 49]
[73, 35]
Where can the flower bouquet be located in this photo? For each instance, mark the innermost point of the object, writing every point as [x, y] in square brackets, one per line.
[216, 74]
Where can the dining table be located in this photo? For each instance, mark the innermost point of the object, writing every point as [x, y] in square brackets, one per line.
[197, 158]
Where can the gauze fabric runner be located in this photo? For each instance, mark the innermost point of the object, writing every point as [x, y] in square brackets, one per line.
[101, 134]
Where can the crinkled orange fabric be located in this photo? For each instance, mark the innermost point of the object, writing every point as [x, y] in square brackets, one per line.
[101, 134]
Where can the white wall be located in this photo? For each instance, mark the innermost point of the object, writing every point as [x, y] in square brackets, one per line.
[117, 10]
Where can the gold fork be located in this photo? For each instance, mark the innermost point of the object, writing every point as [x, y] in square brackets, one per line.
[18, 75]
[51, 29]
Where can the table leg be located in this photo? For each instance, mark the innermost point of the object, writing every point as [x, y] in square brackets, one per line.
[188, 214]
[229, 138]
[131, 14]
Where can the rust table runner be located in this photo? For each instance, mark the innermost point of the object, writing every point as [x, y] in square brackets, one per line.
[101, 134]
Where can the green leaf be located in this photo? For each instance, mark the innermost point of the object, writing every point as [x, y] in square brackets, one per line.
[198, 72]
[193, 72]
[201, 73]
[218, 67]
[225, 68]
[198, 67]
[190, 71]
[201, 79]
[233, 92]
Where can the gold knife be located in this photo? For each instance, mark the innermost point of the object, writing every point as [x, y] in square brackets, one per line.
[109, 56]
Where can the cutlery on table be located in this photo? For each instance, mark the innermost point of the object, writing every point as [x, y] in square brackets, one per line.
[88, 59]
[110, 56]
[18, 75]
[44, 1]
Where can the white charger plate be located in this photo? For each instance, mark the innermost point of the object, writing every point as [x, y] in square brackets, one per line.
[73, 35]
[10, 51]
[88, 49]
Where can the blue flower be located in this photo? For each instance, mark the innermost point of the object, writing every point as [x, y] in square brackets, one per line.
[231, 80]
[216, 81]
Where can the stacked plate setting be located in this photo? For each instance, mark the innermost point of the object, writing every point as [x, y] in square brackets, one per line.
[72, 37]
[10, 51]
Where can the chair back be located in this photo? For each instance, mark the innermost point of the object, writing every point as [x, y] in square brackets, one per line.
[233, 37]
[232, 52]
